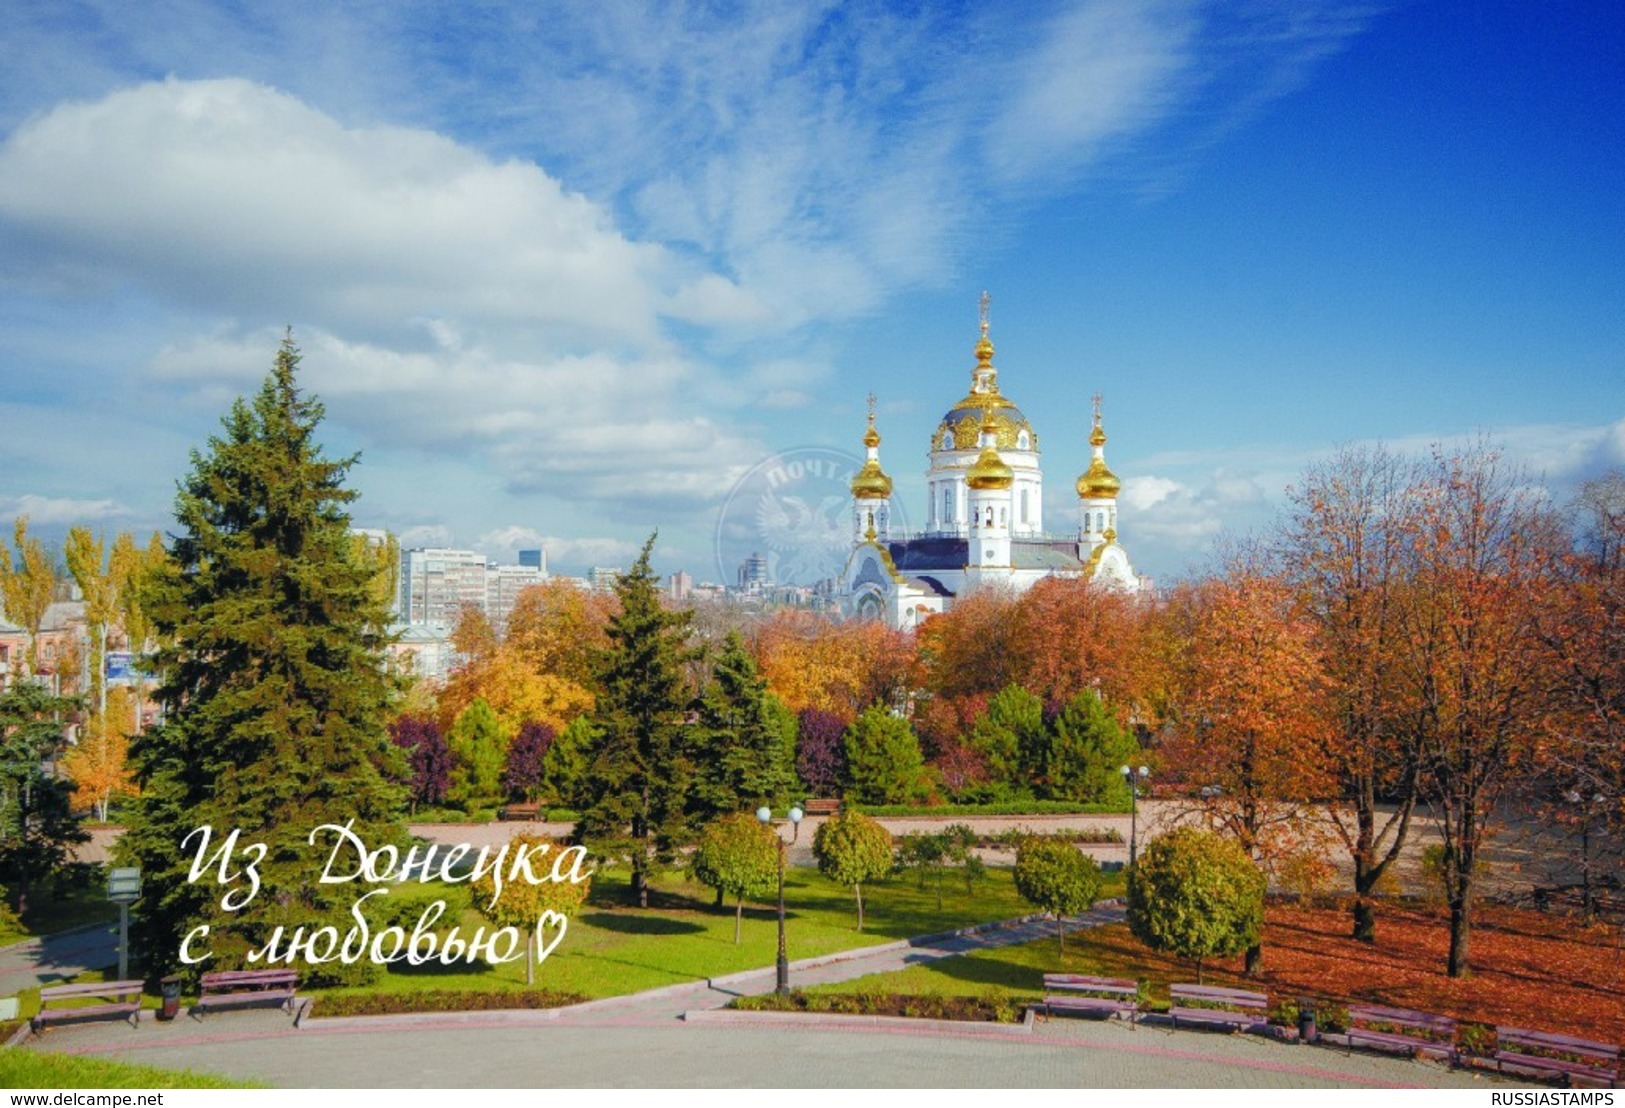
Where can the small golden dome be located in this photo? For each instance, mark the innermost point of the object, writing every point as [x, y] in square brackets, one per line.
[871, 482]
[989, 470]
[1099, 483]
[1097, 437]
[871, 437]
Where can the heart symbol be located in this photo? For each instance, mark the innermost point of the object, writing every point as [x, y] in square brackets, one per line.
[549, 918]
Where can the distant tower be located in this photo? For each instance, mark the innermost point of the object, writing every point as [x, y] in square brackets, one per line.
[1097, 495]
[871, 490]
[988, 483]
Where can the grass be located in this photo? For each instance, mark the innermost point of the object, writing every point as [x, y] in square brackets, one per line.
[41, 1069]
[612, 949]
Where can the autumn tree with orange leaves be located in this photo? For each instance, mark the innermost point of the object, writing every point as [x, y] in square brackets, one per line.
[1580, 764]
[812, 661]
[1344, 549]
[1253, 729]
[1480, 562]
[539, 669]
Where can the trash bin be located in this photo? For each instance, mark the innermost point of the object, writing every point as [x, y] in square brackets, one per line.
[170, 989]
[1306, 1020]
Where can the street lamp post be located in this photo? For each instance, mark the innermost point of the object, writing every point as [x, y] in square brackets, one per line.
[124, 889]
[765, 814]
[1134, 779]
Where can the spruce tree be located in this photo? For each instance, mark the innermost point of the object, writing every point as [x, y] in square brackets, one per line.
[274, 688]
[743, 744]
[637, 780]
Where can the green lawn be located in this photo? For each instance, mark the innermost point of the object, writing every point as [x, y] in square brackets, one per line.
[612, 948]
[1018, 971]
[42, 1069]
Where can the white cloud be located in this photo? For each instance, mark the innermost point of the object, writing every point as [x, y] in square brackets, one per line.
[504, 544]
[229, 194]
[579, 428]
[50, 511]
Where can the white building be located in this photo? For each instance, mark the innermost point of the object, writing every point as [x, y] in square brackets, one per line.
[985, 516]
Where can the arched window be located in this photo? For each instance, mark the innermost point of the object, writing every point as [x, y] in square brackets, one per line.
[1022, 441]
[1024, 492]
[948, 505]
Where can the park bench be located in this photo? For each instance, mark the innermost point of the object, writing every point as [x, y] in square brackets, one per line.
[125, 998]
[1080, 993]
[225, 988]
[1550, 1054]
[822, 806]
[1237, 1009]
[1401, 1030]
[530, 812]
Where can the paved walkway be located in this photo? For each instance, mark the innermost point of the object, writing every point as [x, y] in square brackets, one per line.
[642, 1041]
[54, 959]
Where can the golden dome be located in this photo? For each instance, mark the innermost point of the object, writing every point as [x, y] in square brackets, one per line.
[1099, 483]
[871, 482]
[989, 470]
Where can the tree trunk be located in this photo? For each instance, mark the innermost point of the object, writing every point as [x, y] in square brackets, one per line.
[857, 887]
[1365, 916]
[1460, 939]
[1060, 933]
[739, 916]
[530, 958]
[1255, 959]
[640, 880]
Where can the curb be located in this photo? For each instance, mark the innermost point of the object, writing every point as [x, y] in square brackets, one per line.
[833, 1021]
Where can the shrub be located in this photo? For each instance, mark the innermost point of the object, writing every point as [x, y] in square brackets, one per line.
[737, 855]
[883, 760]
[1196, 895]
[1057, 878]
[850, 849]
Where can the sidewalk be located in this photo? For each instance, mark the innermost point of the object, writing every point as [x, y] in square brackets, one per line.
[640, 1041]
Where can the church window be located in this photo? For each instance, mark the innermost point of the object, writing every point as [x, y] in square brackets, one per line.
[1021, 441]
[947, 505]
[1024, 517]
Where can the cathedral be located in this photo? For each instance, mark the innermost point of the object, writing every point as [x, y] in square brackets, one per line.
[984, 515]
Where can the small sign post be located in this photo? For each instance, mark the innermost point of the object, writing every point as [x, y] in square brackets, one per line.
[124, 889]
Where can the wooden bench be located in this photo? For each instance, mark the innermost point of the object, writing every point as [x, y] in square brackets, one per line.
[531, 812]
[1237, 1009]
[225, 988]
[823, 806]
[125, 997]
[1079, 993]
[1401, 1030]
[1556, 1054]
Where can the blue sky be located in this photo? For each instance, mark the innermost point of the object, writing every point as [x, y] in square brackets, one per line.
[564, 273]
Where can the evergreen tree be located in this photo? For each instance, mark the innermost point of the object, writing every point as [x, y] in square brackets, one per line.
[636, 783]
[274, 685]
[36, 825]
[564, 766]
[1011, 737]
[1087, 752]
[744, 742]
[883, 760]
[479, 748]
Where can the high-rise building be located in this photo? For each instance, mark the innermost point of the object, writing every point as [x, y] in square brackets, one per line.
[503, 584]
[436, 584]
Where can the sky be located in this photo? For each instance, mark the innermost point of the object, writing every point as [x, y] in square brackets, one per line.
[564, 274]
